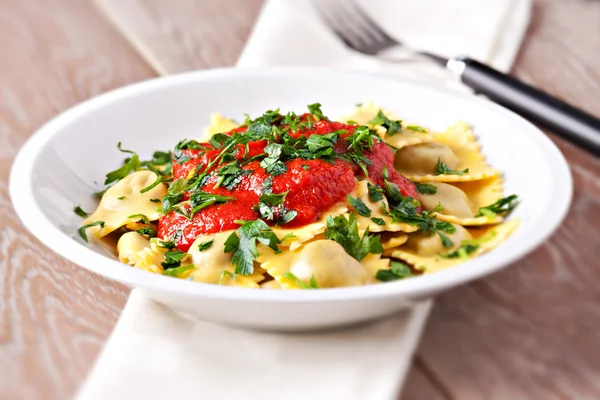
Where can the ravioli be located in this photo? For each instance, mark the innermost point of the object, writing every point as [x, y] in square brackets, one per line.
[139, 252]
[125, 199]
[461, 201]
[210, 264]
[295, 237]
[367, 111]
[457, 147]
[326, 260]
[219, 124]
[431, 260]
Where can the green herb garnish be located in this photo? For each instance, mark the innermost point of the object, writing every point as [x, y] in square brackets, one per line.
[442, 169]
[392, 127]
[300, 283]
[425, 188]
[205, 245]
[173, 259]
[416, 128]
[397, 271]
[82, 230]
[502, 207]
[79, 211]
[360, 207]
[462, 252]
[345, 232]
[225, 274]
[378, 221]
[178, 271]
[242, 243]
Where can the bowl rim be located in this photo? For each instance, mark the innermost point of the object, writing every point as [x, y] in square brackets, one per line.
[21, 188]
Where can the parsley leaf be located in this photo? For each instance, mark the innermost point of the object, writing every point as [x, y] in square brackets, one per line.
[375, 192]
[242, 243]
[315, 110]
[173, 259]
[79, 211]
[425, 188]
[392, 127]
[143, 218]
[462, 252]
[345, 232]
[178, 271]
[360, 207]
[152, 185]
[201, 200]
[502, 207]
[416, 128]
[273, 164]
[205, 245]
[132, 164]
[300, 283]
[397, 271]
[225, 274]
[442, 169]
[378, 221]
[231, 175]
[271, 205]
[82, 230]
[147, 230]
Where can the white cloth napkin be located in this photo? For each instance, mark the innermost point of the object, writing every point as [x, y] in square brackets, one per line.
[154, 353]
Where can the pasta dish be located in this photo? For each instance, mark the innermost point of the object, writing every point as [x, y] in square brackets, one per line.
[302, 201]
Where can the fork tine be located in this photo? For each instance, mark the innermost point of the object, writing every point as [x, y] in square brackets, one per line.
[331, 16]
[361, 17]
[357, 30]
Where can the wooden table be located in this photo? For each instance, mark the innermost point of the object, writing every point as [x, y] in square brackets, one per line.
[528, 332]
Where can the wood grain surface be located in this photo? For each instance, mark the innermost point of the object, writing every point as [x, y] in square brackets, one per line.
[528, 332]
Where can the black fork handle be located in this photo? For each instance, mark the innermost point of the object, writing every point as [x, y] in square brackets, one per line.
[571, 123]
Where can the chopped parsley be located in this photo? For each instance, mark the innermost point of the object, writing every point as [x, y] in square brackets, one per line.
[425, 188]
[152, 185]
[178, 271]
[375, 192]
[360, 207]
[300, 283]
[226, 274]
[378, 221]
[502, 207]
[271, 205]
[345, 232]
[392, 127]
[79, 211]
[82, 230]
[147, 230]
[131, 164]
[315, 110]
[397, 271]
[442, 169]
[273, 164]
[123, 198]
[462, 252]
[143, 219]
[242, 243]
[305, 167]
[231, 175]
[173, 259]
[205, 245]
[416, 128]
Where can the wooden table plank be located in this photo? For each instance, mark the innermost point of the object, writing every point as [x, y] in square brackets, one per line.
[527, 332]
[54, 317]
[531, 331]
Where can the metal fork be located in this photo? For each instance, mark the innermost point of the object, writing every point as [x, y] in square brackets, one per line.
[362, 34]
[359, 32]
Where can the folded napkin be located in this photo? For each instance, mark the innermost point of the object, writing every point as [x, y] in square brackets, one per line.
[154, 353]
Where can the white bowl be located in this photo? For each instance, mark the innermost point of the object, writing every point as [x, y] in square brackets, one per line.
[58, 166]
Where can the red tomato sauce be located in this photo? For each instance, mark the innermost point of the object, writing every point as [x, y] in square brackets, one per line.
[313, 186]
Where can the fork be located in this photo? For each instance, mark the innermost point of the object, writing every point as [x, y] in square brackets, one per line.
[361, 34]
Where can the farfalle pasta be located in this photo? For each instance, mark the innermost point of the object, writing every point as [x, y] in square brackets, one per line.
[291, 201]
